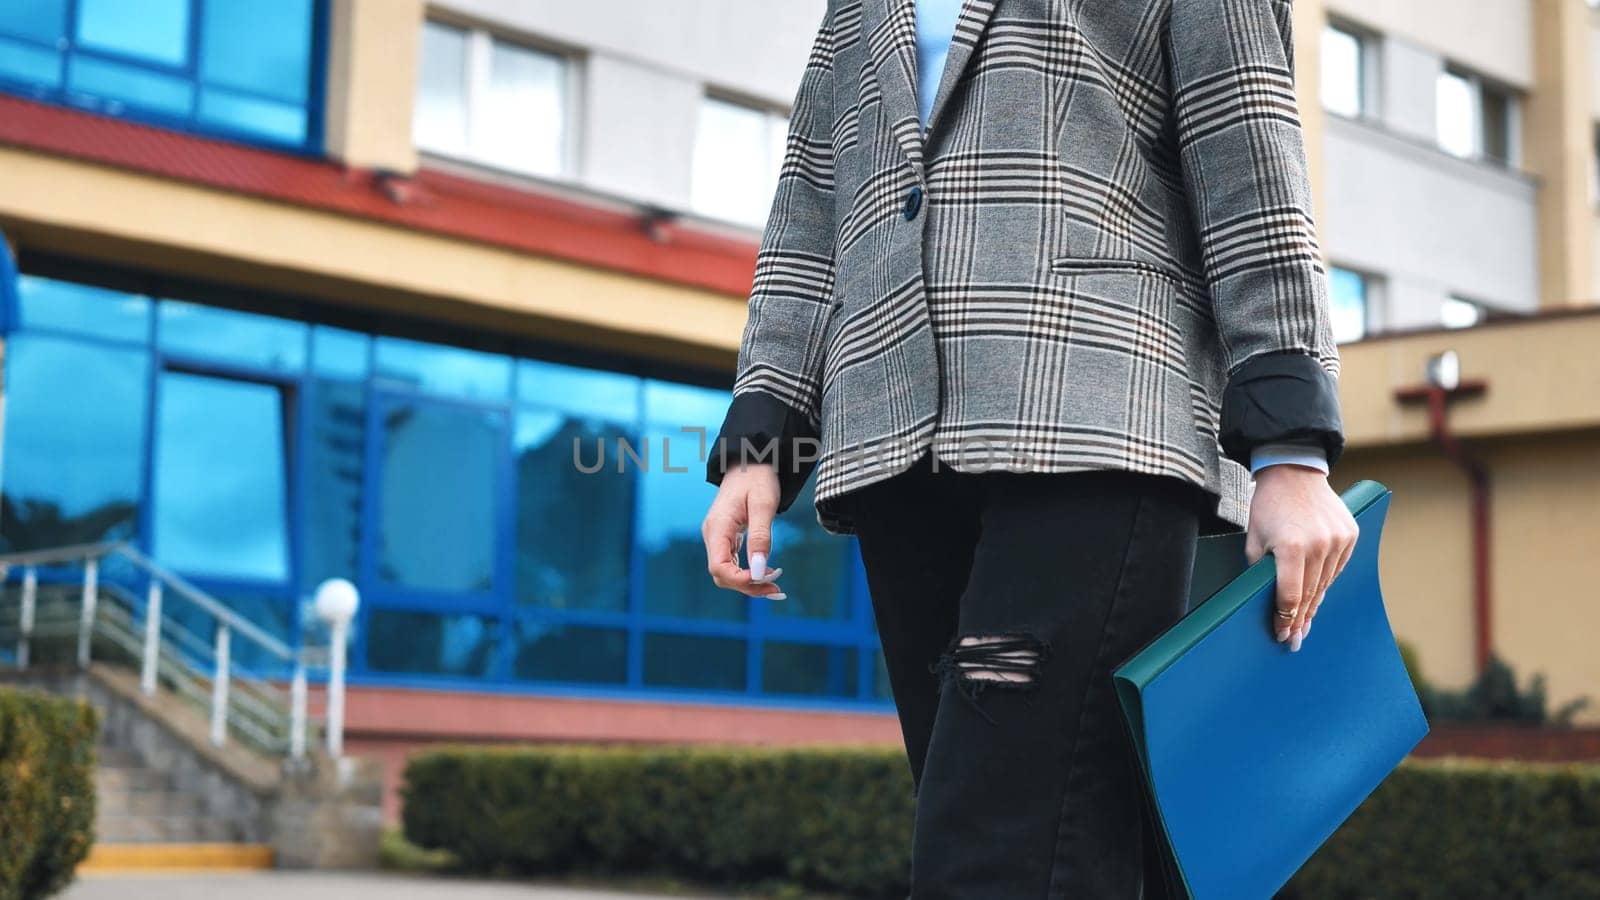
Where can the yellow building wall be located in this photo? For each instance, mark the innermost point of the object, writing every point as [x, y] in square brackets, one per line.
[372, 82]
[1537, 429]
[1558, 144]
[1547, 549]
[1545, 558]
[68, 207]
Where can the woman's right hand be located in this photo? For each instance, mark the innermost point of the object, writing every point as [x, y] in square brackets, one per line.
[744, 506]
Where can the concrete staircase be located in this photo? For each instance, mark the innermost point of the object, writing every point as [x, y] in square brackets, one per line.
[167, 799]
[204, 762]
[137, 804]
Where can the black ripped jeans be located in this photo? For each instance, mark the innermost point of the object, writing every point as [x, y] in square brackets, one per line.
[1003, 602]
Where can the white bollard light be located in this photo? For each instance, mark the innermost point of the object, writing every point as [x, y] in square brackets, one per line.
[336, 603]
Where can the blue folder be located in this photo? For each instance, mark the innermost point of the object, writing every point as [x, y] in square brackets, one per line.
[1252, 756]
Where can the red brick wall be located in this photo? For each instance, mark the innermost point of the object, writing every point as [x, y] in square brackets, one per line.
[388, 723]
[1512, 742]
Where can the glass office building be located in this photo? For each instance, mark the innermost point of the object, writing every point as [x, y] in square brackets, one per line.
[239, 69]
[512, 521]
[519, 517]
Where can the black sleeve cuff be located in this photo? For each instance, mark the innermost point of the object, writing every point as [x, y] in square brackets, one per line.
[761, 428]
[1281, 397]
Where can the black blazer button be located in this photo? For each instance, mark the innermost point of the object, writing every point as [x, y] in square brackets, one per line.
[913, 203]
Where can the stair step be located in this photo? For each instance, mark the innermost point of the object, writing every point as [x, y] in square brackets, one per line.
[159, 829]
[106, 755]
[106, 857]
[147, 802]
[129, 778]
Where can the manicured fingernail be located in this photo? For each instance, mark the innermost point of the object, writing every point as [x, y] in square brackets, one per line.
[1308, 630]
[1294, 642]
[1283, 635]
[778, 596]
[758, 566]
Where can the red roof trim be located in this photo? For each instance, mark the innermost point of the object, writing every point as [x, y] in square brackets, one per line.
[433, 202]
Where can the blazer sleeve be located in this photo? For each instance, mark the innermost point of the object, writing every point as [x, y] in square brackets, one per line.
[1244, 169]
[777, 387]
[761, 428]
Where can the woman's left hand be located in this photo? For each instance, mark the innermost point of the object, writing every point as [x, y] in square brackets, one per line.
[1296, 516]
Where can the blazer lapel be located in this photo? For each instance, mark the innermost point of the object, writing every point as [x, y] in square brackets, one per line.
[892, 45]
[974, 16]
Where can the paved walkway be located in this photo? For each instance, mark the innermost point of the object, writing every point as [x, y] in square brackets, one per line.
[323, 886]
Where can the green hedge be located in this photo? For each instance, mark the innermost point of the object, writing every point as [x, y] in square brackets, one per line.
[1451, 829]
[46, 792]
[839, 819]
[835, 818]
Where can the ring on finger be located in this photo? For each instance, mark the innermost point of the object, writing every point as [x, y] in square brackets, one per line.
[1288, 614]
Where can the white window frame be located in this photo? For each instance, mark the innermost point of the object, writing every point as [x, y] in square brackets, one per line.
[1594, 161]
[1369, 69]
[1372, 289]
[1480, 308]
[1476, 84]
[480, 45]
[776, 118]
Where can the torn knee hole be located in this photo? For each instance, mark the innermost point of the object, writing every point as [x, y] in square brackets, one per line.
[1013, 660]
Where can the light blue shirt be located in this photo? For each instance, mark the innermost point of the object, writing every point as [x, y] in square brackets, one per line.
[936, 25]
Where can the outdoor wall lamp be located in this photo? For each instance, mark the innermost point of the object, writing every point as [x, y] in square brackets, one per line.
[1443, 370]
[1442, 386]
[336, 603]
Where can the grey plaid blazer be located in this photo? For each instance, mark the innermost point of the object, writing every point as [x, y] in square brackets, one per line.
[1100, 254]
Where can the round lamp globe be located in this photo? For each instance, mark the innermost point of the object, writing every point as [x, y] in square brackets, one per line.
[337, 600]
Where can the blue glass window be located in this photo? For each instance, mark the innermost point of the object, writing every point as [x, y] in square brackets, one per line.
[252, 46]
[677, 406]
[154, 31]
[334, 488]
[1347, 303]
[252, 62]
[547, 652]
[125, 85]
[438, 485]
[233, 338]
[815, 564]
[443, 481]
[808, 669]
[236, 68]
[880, 677]
[338, 353]
[270, 613]
[220, 493]
[446, 371]
[74, 441]
[573, 525]
[674, 496]
[28, 64]
[96, 312]
[44, 21]
[694, 661]
[29, 33]
[582, 392]
[430, 644]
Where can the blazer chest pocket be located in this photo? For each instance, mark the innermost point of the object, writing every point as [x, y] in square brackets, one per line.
[1091, 265]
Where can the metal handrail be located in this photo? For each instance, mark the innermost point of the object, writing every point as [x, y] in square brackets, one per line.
[237, 697]
[206, 602]
[68, 553]
[84, 552]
